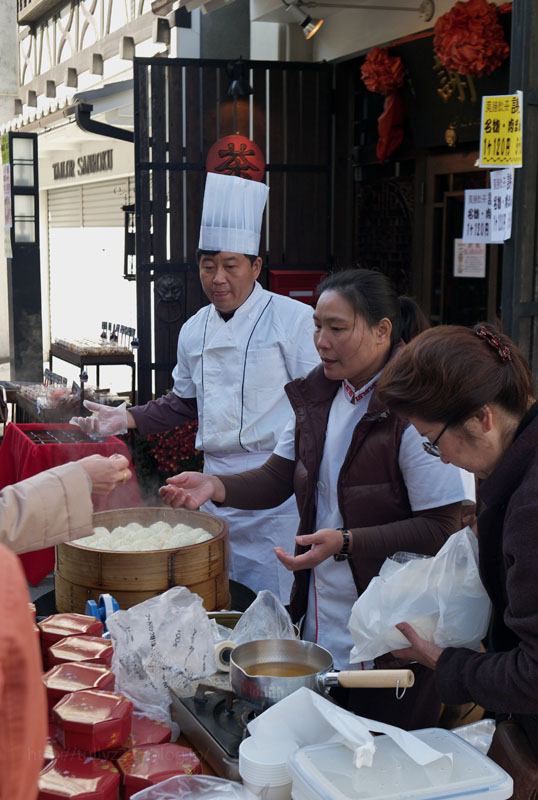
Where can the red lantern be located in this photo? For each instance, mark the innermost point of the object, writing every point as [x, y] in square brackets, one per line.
[236, 155]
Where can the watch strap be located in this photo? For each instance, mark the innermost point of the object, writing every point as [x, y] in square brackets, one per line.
[343, 555]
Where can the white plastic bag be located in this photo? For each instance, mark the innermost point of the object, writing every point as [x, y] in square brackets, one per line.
[195, 787]
[164, 641]
[441, 597]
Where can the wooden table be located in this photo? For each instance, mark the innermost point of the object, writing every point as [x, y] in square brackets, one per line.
[97, 360]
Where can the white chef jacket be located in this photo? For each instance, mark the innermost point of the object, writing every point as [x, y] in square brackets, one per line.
[237, 371]
[429, 482]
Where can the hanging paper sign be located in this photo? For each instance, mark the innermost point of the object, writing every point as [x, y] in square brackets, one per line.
[501, 131]
[6, 174]
[502, 190]
[8, 253]
[236, 155]
[469, 259]
[5, 148]
[477, 216]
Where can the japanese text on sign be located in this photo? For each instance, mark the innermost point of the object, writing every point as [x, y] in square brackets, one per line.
[502, 190]
[477, 216]
[487, 215]
[469, 259]
[500, 131]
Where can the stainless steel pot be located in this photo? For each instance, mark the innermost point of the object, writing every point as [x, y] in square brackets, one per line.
[285, 655]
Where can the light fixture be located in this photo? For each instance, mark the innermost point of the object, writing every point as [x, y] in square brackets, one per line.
[310, 26]
[426, 9]
[238, 72]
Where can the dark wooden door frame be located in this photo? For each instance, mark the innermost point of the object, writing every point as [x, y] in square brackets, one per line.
[520, 271]
[181, 109]
[429, 166]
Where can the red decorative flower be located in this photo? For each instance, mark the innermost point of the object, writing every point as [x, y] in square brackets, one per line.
[382, 73]
[469, 39]
[174, 450]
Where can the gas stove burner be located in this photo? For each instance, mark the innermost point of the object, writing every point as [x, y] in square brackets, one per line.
[245, 717]
[215, 722]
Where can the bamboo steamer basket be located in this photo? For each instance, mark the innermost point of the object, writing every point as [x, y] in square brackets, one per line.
[82, 573]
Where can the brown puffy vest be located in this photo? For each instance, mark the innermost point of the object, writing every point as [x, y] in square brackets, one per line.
[371, 488]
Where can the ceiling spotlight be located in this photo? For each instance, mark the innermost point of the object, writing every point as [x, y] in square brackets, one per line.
[310, 26]
[238, 72]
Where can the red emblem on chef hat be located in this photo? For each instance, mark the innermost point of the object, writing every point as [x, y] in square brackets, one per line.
[236, 155]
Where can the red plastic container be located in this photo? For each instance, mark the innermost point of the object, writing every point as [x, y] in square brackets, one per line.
[92, 720]
[82, 649]
[73, 677]
[150, 764]
[79, 777]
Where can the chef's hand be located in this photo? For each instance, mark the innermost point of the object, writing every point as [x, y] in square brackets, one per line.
[192, 489]
[324, 543]
[105, 420]
[106, 473]
[424, 652]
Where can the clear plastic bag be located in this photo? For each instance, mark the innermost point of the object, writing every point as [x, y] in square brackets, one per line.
[479, 734]
[195, 787]
[164, 641]
[442, 598]
[265, 618]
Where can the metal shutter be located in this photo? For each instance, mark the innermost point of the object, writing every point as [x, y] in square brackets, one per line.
[94, 205]
[65, 207]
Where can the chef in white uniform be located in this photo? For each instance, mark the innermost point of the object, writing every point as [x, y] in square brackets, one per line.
[234, 358]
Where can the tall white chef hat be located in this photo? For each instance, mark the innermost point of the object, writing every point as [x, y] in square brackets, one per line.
[232, 214]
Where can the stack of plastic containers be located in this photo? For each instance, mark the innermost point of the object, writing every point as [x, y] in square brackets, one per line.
[264, 770]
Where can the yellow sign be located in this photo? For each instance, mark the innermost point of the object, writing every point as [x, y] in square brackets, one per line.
[5, 148]
[500, 131]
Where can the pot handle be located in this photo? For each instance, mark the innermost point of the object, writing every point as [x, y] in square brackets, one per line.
[376, 678]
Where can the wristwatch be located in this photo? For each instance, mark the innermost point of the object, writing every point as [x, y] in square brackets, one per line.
[343, 555]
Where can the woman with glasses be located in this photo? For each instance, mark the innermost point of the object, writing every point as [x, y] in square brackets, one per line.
[471, 393]
[365, 488]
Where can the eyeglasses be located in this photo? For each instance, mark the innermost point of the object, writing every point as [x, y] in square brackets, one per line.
[432, 447]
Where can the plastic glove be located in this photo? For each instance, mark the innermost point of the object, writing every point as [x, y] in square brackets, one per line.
[104, 421]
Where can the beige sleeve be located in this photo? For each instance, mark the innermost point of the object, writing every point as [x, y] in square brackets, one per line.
[51, 507]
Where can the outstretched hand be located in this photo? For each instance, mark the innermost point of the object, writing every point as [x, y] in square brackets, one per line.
[426, 653]
[104, 420]
[324, 543]
[191, 490]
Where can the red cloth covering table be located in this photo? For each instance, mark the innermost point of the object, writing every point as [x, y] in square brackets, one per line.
[21, 458]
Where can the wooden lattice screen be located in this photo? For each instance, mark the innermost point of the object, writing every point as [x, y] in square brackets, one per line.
[181, 109]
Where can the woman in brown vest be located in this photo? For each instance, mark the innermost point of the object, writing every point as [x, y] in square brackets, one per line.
[471, 393]
[364, 486]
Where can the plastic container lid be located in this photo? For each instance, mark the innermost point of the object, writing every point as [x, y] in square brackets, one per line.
[326, 772]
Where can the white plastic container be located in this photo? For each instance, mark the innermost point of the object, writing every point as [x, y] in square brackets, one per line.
[326, 772]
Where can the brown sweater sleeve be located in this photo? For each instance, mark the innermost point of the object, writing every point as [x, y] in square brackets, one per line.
[425, 532]
[265, 487]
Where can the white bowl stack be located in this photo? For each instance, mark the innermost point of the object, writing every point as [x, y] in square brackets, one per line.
[264, 768]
